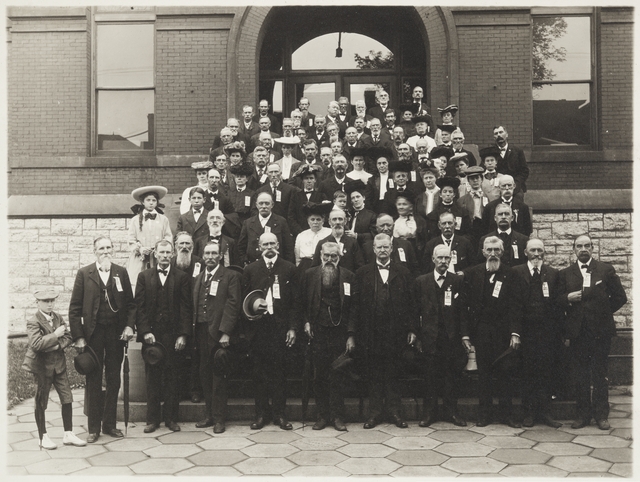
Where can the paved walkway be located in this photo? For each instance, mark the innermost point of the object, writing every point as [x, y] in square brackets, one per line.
[441, 450]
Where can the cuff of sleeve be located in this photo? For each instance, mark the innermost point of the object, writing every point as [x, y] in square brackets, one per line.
[515, 334]
[465, 338]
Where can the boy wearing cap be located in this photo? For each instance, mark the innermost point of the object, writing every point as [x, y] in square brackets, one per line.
[48, 337]
[201, 168]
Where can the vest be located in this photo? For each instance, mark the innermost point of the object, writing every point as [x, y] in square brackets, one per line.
[330, 313]
[106, 315]
[203, 293]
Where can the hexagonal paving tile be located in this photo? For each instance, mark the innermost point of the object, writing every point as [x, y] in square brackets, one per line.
[365, 437]
[317, 457]
[625, 433]
[474, 465]
[547, 436]
[411, 431]
[417, 457]
[623, 470]
[368, 466]
[183, 437]
[601, 441]
[31, 445]
[18, 437]
[22, 459]
[129, 444]
[173, 451]
[318, 443]
[412, 443]
[117, 458]
[366, 450]
[440, 425]
[520, 456]
[70, 452]
[105, 471]
[589, 430]
[228, 443]
[308, 432]
[22, 427]
[161, 466]
[269, 450]
[217, 457]
[264, 466]
[532, 471]
[621, 423]
[506, 442]
[211, 472]
[580, 463]
[281, 437]
[417, 471]
[562, 448]
[456, 436]
[464, 449]
[316, 471]
[57, 467]
[12, 471]
[496, 429]
[616, 455]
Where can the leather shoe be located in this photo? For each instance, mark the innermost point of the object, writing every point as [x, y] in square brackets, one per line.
[458, 421]
[196, 398]
[398, 421]
[483, 422]
[114, 432]
[580, 423]
[339, 425]
[218, 427]
[320, 424]
[372, 422]
[512, 423]
[549, 422]
[92, 437]
[426, 421]
[282, 422]
[603, 424]
[258, 424]
[207, 422]
[528, 421]
[150, 428]
[174, 427]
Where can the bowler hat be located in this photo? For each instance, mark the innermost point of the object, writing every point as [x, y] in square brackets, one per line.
[87, 361]
[254, 305]
[154, 354]
[159, 191]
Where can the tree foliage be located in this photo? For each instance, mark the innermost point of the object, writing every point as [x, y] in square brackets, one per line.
[375, 60]
[545, 31]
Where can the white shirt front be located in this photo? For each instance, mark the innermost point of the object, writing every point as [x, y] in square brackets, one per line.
[104, 275]
[384, 273]
[163, 277]
[264, 221]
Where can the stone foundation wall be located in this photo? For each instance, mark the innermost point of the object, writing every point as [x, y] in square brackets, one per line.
[48, 252]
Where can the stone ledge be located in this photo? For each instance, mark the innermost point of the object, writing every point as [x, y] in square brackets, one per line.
[559, 200]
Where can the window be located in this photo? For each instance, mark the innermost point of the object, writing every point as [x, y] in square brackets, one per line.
[125, 87]
[562, 87]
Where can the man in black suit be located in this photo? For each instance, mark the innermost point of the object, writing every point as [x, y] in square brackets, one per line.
[163, 316]
[336, 182]
[228, 245]
[382, 107]
[248, 127]
[385, 303]
[308, 119]
[345, 110]
[423, 110]
[350, 254]
[102, 314]
[263, 112]
[259, 176]
[240, 194]
[511, 160]
[330, 324]
[333, 117]
[522, 217]
[214, 197]
[457, 143]
[351, 143]
[379, 138]
[194, 221]
[216, 308]
[271, 336]
[264, 222]
[590, 293]
[308, 173]
[402, 253]
[281, 192]
[462, 252]
[541, 330]
[493, 296]
[441, 311]
[514, 242]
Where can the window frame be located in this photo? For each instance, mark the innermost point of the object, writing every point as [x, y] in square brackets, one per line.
[593, 14]
[118, 18]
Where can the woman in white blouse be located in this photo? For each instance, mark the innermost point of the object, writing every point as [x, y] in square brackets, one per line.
[307, 240]
[357, 162]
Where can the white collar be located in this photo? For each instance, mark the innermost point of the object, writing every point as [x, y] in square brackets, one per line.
[272, 260]
[508, 231]
[588, 263]
[436, 275]
[530, 266]
[444, 240]
[46, 317]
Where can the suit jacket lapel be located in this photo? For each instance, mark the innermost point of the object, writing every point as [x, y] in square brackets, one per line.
[44, 323]
[93, 274]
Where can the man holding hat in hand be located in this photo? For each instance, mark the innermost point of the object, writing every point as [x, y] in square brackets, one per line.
[101, 316]
[163, 318]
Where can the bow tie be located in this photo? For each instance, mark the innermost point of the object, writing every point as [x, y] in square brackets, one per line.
[477, 194]
[214, 195]
[214, 238]
[584, 266]
[104, 270]
[197, 211]
[441, 278]
[490, 176]
[383, 267]
[163, 271]
[149, 216]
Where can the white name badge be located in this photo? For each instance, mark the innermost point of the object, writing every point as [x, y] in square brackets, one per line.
[447, 297]
[213, 290]
[391, 183]
[247, 201]
[458, 222]
[278, 196]
[267, 229]
[347, 289]
[516, 255]
[276, 291]
[403, 257]
[586, 280]
[341, 246]
[263, 179]
[545, 289]
[196, 270]
[496, 289]
[119, 283]
[216, 204]
[454, 257]
[413, 176]
[485, 200]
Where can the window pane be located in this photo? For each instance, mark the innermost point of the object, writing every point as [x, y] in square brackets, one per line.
[358, 52]
[125, 120]
[319, 95]
[366, 92]
[561, 114]
[561, 48]
[125, 55]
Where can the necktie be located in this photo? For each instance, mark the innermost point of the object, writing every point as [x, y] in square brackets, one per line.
[259, 172]
[209, 275]
[375, 139]
[214, 195]
[149, 216]
[584, 266]
[477, 194]
[269, 265]
[490, 176]
[448, 241]
[214, 238]
[163, 271]
[504, 236]
[536, 272]
[400, 189]
[503, 152]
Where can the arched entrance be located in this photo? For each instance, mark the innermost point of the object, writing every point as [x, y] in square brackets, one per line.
[326, 52]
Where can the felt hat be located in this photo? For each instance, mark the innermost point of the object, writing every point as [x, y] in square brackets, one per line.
[490, 151]
[447, 128]
[459, 155]
[401, 166]
[87, 361]
[48, 294]
[289, 141]
[408, 194]
[413, 108]
[305, 169]
[242, 169]
[254, 305]
[202, 165]
[138, 194]
[353, 186]
[153, 354]
[421, 118]
[376, 152]
[453, 108]
[440, 151]
[453, 182]
[321, 209]
[358, 151]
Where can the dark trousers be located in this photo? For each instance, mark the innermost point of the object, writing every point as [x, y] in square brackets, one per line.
[384, 388]
[214, 386]
[442, 376]
[193, 365]
[538, 360]
[268, 350]
[163, 385]
[591, 355]
[328, 344]
[105, 341]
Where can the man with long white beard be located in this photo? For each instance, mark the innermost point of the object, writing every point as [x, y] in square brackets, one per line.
[215, 222]
[493, 294]
[351, 257]
[330, 324]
